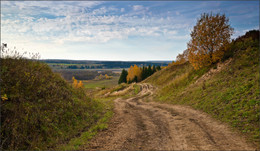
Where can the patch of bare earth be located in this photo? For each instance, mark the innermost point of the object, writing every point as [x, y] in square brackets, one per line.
[139, 125]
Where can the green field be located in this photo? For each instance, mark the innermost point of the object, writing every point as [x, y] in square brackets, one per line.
[104, 83]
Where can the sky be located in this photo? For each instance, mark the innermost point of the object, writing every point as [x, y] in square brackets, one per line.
[114, 30]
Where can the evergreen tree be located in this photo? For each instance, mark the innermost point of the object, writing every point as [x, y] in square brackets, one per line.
[144, 74]
[123, 76]
[154, 69]
[158, 68]
[149, 71]
[135, 79]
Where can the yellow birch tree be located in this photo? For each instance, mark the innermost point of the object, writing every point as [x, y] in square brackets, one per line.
[210, 35]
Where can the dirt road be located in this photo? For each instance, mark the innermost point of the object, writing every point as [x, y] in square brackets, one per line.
[139, 125]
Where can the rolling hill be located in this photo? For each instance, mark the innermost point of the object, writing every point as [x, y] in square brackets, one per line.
[229, 90]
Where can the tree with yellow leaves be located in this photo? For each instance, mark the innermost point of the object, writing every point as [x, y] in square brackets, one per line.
[80, 84]
[134, 74]
[77, 84]
[209, 37]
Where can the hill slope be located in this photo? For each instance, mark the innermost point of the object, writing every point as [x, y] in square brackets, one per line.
[228, 91]
[38, 108]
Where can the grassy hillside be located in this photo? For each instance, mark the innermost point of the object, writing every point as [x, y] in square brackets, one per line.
[228, 91]
[39, 109]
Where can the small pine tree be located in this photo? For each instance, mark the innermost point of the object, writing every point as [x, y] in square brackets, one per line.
[123, 76]
[135, 79]
[149, 71]
[158, 68]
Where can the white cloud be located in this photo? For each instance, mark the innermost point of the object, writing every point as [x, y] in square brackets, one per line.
[138, 7]
[74, 24]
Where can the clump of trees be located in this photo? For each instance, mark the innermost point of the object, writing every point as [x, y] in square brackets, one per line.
[134, 74]
[101, 77]
[137, 74]
[77, 84]
[210, 36]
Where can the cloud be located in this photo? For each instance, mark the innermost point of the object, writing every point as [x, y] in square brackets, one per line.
[138, 7]
[95, 22]
[83, 24]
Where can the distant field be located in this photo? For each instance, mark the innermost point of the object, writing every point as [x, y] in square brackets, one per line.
[105, 83]
[88, 64]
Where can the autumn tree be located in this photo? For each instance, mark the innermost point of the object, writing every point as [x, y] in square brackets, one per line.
[77, 84]
[209, 37]
[123, 76]
[181, 58]
[132, 72]
[80, 84]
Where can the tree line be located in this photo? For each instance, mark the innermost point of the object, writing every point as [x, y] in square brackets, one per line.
[137, 74]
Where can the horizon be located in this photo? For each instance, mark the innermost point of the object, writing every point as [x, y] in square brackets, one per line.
[114, 30]
[114, 60]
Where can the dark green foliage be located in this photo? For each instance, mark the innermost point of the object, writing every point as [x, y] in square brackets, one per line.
[123, 76]
[158, 68]
[144, 73]
[41, 109]
[148, 71]
[135, 79]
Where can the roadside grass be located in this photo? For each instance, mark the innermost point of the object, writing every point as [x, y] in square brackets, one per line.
[231, 95]
[137, 88]
[78, 143]
[106, 104]
[102, 84]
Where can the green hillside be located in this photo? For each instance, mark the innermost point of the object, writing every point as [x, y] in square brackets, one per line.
[39, 109]
[229, 90]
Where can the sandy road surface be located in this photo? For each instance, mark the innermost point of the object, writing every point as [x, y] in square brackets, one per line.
[139, 125]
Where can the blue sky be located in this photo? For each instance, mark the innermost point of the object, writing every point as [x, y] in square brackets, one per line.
[114, 30]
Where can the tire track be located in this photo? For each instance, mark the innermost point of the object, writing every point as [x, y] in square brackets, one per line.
[139, 125]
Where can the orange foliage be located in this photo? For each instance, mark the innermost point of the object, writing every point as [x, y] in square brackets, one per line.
[80, 84]
[134, 71]
[181, 58]
[210, 35]
[77, 84]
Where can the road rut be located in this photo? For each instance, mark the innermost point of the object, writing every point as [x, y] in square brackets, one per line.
[140, 125]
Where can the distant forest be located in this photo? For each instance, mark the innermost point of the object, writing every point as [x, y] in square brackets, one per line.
[89, 64]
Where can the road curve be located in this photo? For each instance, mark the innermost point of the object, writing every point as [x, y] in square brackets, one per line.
[140, 125]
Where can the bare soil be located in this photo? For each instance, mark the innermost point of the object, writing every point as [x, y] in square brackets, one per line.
[142, 125]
